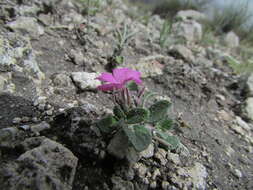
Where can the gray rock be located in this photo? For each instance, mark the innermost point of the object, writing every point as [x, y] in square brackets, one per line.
[25, 10]
[249, 85]
[161, 156]
[61, 80]
[40, 127]
[45, 165]
[149, 66]
[231, 40]
[237, 173]
[249, 107]
[198, 176]
[174, 158]
[149, 152]
[242, 123]
[188, 30]
[165, 185]
[27, 25]
[120, 184]
[85, 81]
[140, 169]
[17, 54]
[190, 14]
[180, 51]
[3, 82]
[77, 56]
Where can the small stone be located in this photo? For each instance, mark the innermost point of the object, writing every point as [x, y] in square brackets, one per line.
[24, 127]
[149, 152]
[161, 156]
[40, 127]
[40, 100]
[49, 112]
[25, 119]
[174, 158]
[16, 120]
[85, 80]
[145, 181]
[165, 185]
[153, 185]
[141, 169]
[77, 56]
[156, 173]
[237, 173]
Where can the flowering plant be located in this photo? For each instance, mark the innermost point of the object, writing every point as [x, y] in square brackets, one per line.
[132, 121]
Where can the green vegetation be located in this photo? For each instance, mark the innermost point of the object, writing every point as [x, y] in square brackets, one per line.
[164, 33]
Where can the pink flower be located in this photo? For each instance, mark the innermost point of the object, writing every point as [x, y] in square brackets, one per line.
[118, 79]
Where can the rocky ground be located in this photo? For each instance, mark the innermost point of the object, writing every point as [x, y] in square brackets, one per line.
[50, 54]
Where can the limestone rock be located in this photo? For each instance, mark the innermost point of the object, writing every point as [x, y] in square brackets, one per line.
[181, 52]
[188, 30]
[231, 40]
[149, 66]
[45, 165]
[27, 25]
[85, 80]
[190, 14]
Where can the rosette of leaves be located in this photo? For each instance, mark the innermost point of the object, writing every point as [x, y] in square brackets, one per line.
[140, 125]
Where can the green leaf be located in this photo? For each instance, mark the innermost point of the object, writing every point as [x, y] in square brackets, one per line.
[118, 112]
[137, 115]
[172, 141]
[158, 110]
[132, 86]
[165, 124]
[107, 124]
[139, 136]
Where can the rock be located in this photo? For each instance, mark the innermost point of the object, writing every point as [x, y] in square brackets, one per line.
[249, 108]
[160, 155]
[40, 127]
[174, 158]
[120, 184]
[249, 86]
[156, 173]
[10, 137]
[188, 30]
[17, 54]
[3, 83]
[242, 123]
[141, 169]
[198, 176]
[149, 152]
[61, 80]
[190, 14]
[189, 177]
[149, 66]
[165, 185]
[27, 25]
[25, 10]
[231, 40]
[77, 56]
[85, 81]
[224, 115]
[202, 61]
[45, 165]
[237, 173]
[181, 52]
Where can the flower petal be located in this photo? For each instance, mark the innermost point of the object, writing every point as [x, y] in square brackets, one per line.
[124, 75]
[107, 77]
[109, 87]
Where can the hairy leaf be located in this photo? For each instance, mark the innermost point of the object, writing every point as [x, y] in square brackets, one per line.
[158, 110]
[118, 112]
[137, 115]
[139, 136]
[107, 124]
[165, 124]
[173, 142]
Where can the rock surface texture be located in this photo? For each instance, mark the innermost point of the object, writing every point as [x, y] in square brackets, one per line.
[51, 53]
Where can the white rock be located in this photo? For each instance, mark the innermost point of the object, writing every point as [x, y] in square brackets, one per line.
[231, 40]
[249, 85]
[27, 25]
[249, 108]
[85, 81]
[174, 158]
[190, 14]
[198, 176]
[189, 30]
[149, 152]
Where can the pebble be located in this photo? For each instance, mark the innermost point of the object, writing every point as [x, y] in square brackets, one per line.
[16, 120]
[25, 127]
[237, 173]
[153, 185]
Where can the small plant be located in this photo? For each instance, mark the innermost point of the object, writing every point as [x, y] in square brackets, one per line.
[122, 38]
[132, 119]
[164, 33]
